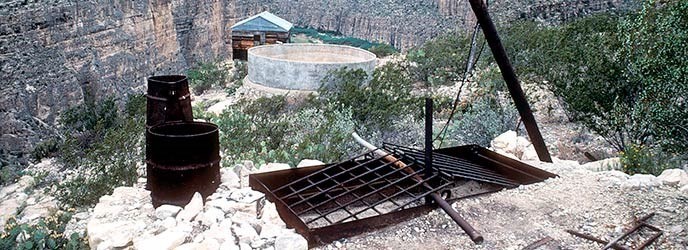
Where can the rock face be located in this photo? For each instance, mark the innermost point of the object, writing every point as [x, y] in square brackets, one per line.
[55, 55]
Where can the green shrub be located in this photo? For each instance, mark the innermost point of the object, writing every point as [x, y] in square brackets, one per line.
[45, 149]
[639, 159]
[378, 103]
[47, 233]
[382, 50]
[236, 80]
[206, 75]
[264, 131]
[616, 74]
[106, 163]
[440, 61]
[483, 120]
[9, 172]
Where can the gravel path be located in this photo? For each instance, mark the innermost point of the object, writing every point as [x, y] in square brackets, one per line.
[584, 201]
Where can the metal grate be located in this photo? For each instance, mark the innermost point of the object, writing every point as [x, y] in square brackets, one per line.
[328, 202]
[359, 188]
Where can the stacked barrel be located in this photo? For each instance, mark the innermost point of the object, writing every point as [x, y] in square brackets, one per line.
[182, 156]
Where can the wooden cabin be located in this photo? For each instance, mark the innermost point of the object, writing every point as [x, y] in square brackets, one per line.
[264, 28]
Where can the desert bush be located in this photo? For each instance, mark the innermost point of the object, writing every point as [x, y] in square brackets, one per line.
[440, 61]
[382, 50]
[47, 233]
[483, 120]
[640, 159]
[206, 75]
[624, 77]
[378, 103]
[106, 163]
[264, 131]
[236, 80]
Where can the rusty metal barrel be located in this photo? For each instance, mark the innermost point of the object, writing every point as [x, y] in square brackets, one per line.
[168, 100]
[183, 158]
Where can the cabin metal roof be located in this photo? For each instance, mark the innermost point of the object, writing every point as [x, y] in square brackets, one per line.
[264, 21]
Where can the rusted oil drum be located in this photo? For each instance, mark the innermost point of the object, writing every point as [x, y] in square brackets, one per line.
[184, 157]
[168, 100]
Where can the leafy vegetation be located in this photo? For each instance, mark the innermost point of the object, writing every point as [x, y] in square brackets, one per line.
[106, 161]
[625, 77]
[440, 61]
[47, 233]
[217, 74]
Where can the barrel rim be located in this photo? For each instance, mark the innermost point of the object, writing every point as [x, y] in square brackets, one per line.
[154, 79]
[176, 123]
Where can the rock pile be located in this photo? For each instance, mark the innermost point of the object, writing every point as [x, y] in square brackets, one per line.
[22, 202]
[234, 217]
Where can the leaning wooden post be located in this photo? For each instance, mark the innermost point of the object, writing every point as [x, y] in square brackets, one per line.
[480, 9]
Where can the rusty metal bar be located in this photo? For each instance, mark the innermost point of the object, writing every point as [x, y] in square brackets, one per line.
[480, 9]
[595, 239]
[472, 233]
[641, 222]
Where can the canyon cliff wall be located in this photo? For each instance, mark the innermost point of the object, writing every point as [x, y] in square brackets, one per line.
[55, 54]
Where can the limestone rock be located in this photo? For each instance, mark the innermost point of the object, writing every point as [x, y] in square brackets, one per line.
[290, 241]
[242, 172]
[684, 189]
[229, 245]
[42, 208]
[209, 244]
[212, 216]
[192, 209]
[244, 232]
[225, 205]
[272, 167]
[246, 195]
[167, 210]
[269, 215]
[638, 181]
[674, 177]
[529, 154]
[118, 218]
[113, 234]
[229, 179]
[26, 182]
[507, 142]
[188, 246]
[613, 163]
[167, 240]
[309, 162]
[613, 177]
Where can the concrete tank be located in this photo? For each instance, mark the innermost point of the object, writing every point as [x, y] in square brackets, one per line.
[303, 66]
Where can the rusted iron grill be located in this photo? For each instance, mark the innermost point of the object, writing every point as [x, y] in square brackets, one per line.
[616, 242]
[473, 162]
[329, 202]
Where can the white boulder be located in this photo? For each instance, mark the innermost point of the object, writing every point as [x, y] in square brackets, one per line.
[192, 209]
[167, 210]
[674, 177]
[639, 181]
[290, 241]
[309, 163]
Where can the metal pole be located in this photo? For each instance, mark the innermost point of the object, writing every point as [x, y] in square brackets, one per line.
[428, 136]
[480, 9]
